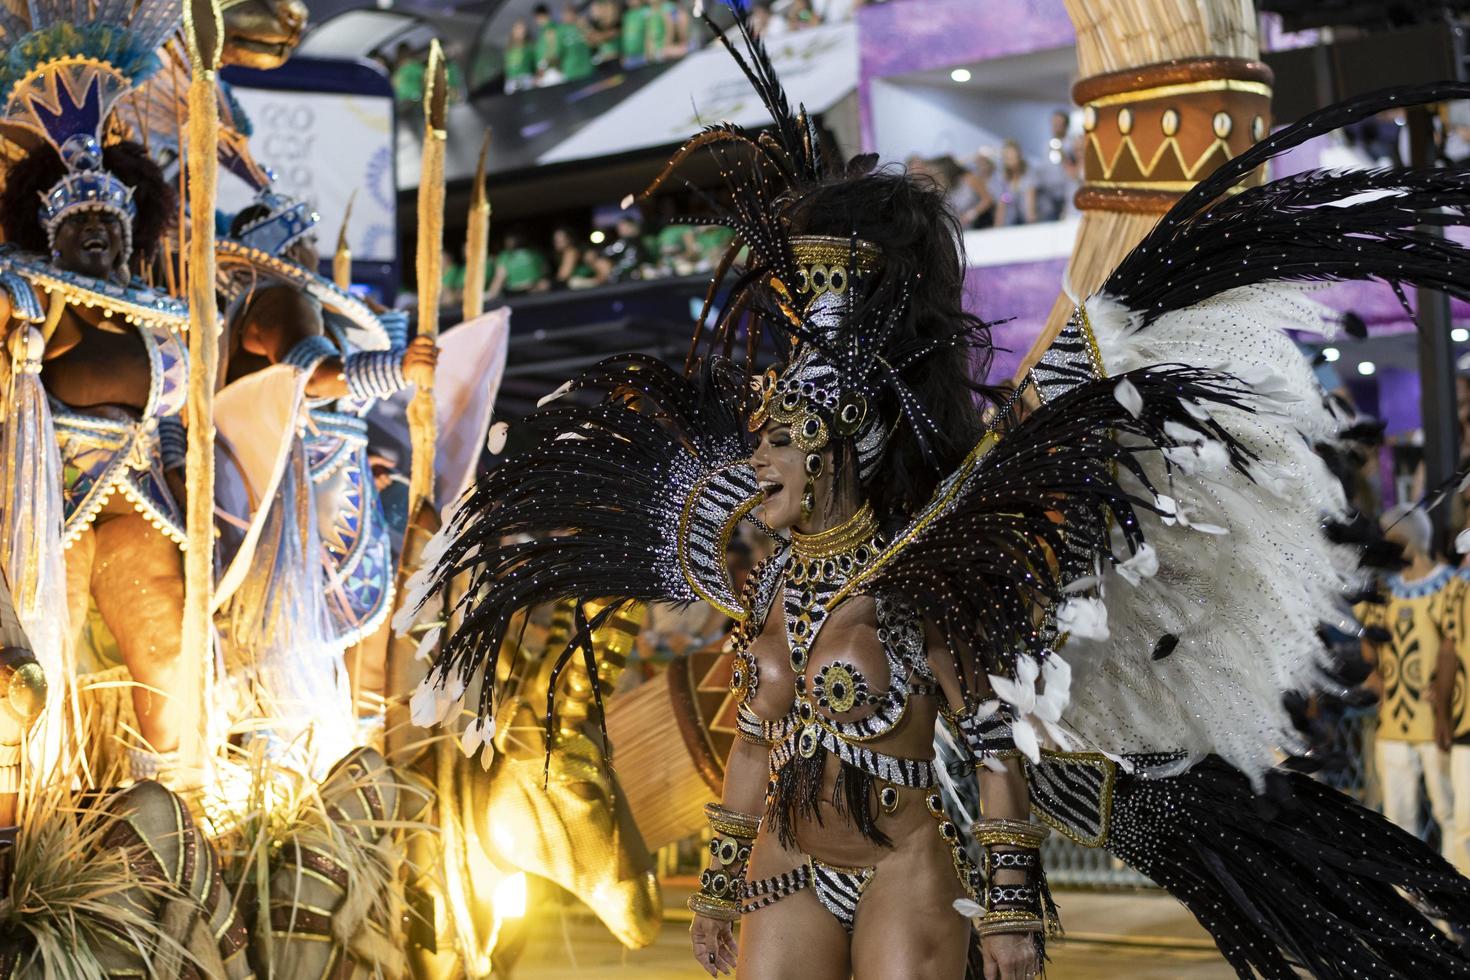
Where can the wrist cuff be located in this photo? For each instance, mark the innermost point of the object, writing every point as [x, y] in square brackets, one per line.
[375, 374]
[173, 442]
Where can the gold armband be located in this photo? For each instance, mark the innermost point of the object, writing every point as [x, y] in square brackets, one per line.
[721, 883]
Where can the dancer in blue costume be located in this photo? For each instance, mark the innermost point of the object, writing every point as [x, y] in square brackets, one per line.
[349, 356]
[102, 447]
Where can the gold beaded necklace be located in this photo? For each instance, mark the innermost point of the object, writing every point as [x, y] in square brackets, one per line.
[833, 554]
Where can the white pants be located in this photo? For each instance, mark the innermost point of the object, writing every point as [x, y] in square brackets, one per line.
[1457, 846]
[1407, 769]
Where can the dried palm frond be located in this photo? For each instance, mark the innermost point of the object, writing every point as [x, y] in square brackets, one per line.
[285, 823]
[75, 903]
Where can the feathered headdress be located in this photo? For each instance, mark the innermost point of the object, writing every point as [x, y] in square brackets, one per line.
[841, 329]
[66, 64]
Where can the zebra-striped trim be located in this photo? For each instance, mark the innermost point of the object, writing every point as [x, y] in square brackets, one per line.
[988, 737]
[838, 889]
[913, 773]
[1070, 360]
[1072, 792]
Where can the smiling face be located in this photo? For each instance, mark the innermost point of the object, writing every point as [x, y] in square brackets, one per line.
[780, 467]
[92, 243]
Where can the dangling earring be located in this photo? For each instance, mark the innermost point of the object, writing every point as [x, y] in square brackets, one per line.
[808, 495]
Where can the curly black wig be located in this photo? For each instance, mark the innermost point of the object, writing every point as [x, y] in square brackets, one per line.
[38, 171]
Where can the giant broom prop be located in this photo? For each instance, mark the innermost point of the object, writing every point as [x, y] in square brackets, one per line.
[1170, 90]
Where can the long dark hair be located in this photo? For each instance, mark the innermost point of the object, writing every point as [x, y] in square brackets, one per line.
[39, 170]
[906, 216]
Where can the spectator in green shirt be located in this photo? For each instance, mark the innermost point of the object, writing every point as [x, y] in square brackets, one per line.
[656, 33]
[453, 279]
[520, 60]
[606, 31]
[668, 31]
[576, 53]
[408, 76]
[635, 35]
[548, 55]
[519, 269]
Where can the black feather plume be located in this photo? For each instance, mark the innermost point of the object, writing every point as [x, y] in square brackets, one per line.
[1315, 226]
[588, 512]
[1034, 513]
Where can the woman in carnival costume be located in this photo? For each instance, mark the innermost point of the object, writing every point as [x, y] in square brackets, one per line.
[1157, 520]
[300, 608]
[94, 439]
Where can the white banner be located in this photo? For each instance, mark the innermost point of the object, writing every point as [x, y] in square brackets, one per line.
[818, 67]
[322, 146]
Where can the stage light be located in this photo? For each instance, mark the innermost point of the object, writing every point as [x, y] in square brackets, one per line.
[960, 75]
[1330, 354]
[597, 237]
[1459, 335]
[510, 896]
[1367, 368]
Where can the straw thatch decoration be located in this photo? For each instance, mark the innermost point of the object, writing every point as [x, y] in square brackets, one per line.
[430, 245]
[477, 240]
[342, 257]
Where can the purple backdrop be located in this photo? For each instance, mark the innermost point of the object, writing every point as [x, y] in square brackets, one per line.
[919, 35]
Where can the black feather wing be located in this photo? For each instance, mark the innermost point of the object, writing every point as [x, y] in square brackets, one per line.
[1031, 509]
[1314, 226]
[623, 499]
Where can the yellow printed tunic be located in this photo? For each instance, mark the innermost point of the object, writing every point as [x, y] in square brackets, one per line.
[1418, 616]
[1457, 603]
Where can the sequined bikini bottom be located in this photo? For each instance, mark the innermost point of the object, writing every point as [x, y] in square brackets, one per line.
[838, 889]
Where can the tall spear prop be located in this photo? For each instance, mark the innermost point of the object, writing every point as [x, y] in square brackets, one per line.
[342, 258]
[204, 32]
[477, 241]
[431, 958]
[421, 421]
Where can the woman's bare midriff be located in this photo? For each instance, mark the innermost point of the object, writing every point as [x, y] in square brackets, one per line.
[850, 635]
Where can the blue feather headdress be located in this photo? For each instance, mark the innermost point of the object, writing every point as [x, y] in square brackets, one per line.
[66, 64]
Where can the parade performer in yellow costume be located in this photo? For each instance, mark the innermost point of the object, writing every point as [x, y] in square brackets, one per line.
[1408, 639]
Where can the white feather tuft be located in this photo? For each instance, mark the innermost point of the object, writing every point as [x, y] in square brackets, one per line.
[495, 442]
[476, 734]
[1144, 564]
[548, 399]
[425, 650]
[436, 699]
[1129, 397]
[1084, 618]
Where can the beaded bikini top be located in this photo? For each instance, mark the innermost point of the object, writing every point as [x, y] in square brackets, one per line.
[836, 707]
